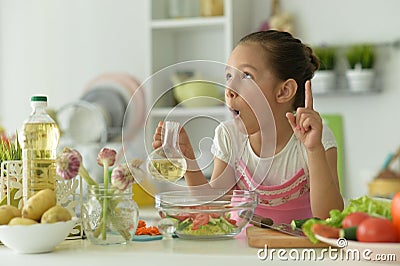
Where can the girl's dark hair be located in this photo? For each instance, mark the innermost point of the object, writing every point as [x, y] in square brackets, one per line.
[288, 58]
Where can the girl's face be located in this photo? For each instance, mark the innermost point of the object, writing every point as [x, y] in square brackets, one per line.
[251, 86]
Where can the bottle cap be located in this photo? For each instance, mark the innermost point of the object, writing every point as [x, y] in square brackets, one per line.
[39, 98]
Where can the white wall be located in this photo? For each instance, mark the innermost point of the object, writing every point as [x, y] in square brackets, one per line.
[371, 125]
[56, 47]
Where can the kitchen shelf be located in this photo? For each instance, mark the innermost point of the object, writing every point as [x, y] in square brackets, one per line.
[184, 40]
[184, 112]
[346, 92]
[188, 23]
[342, 85]
[341, 88]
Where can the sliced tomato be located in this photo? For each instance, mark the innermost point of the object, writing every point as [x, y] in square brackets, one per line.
[395, 208]
[182, 216]
[200, 219]
[325, 230]
[232, 221]
[215, 215]
[375, 229]
[354, 219]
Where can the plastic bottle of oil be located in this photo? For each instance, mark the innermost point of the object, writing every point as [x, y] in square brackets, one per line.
[39, 140]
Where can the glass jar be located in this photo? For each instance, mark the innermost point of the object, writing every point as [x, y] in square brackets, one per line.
[110, 216]
[167, 163]
[179, 8]
[212, 8]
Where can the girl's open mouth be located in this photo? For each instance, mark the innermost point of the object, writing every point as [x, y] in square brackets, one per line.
[235, 112]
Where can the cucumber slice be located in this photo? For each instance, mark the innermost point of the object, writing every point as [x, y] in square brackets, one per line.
[299, 223]
[349, 233]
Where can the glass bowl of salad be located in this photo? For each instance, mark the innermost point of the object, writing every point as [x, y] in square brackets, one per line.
[206, 213]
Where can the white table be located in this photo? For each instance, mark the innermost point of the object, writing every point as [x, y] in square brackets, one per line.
[160, 252]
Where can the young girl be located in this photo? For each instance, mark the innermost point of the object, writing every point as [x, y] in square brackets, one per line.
[276, 143]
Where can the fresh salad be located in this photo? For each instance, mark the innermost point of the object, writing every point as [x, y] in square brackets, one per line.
[205, 223]
[365, 219]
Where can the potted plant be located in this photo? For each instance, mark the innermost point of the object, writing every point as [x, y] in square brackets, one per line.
[361, 59]
[324, 78]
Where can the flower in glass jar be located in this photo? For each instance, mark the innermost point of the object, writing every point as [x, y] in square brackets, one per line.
[122, 177]
[69, 164]
[106, 158]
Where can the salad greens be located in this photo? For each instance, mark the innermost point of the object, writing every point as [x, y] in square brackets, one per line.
[372, 206]
[205, 224]
[216, 226]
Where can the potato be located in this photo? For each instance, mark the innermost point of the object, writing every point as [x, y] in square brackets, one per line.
[56, 214]
[6, 214]
[21, 221]
[16, 212]
[39, 203]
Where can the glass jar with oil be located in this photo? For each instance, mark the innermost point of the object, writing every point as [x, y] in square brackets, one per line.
[167, 163]
[39, 139]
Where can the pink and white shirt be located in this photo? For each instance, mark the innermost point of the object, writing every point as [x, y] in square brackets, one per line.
[281, 181]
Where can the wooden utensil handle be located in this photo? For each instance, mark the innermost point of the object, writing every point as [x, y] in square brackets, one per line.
[262, 222]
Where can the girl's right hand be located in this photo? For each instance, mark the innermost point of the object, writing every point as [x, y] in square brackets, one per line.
[157, 138]
[307, 123]
[184, 142]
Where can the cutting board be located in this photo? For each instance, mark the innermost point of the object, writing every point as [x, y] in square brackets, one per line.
[259, 237]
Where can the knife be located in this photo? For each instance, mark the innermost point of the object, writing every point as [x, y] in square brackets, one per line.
[281, 227]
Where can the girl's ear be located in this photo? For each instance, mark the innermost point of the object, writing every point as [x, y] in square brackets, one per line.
[287, 91]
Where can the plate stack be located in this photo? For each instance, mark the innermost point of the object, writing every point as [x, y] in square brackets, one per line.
[99, 115]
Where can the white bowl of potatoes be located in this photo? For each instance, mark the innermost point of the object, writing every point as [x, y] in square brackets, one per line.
[39, 227]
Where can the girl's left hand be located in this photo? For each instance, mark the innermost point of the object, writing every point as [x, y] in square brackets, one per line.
[307, 123]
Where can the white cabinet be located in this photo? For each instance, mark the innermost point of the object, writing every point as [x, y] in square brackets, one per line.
[176, 41]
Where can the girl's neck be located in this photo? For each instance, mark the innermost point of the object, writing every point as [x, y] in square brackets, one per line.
[283, 134]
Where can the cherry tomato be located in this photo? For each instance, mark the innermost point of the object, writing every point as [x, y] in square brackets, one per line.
[375, 229]
[354, 219]
[395, 208]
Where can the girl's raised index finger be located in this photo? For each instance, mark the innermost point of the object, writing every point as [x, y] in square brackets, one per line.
[308, 96]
